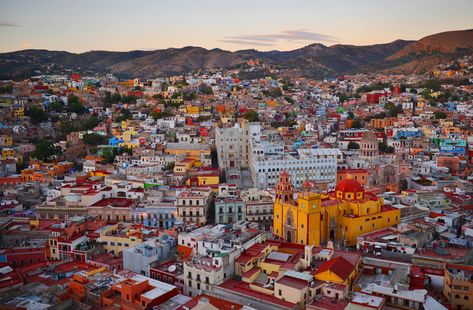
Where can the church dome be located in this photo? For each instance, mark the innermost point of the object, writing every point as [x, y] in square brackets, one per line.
[369, 145]
[349, 185]
[349, 189]
[369, 137]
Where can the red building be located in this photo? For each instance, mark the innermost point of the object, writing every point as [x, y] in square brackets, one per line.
[374, 97]
[167, 272]
[75, 77]
[19, 257]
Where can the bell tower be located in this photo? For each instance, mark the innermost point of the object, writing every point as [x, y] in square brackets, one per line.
[284, 189]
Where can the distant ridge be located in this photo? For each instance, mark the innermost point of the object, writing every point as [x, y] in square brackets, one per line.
[315, 60]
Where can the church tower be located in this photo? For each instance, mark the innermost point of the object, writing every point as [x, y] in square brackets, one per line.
[284, 189]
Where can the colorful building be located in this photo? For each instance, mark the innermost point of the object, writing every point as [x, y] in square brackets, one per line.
[339, 216]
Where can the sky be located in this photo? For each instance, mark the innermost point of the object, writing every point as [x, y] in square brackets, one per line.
[123, 25]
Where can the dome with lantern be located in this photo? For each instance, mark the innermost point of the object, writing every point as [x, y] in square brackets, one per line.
[349, 189]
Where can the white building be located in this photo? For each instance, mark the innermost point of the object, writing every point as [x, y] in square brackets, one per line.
[139, 257]
[233, 145]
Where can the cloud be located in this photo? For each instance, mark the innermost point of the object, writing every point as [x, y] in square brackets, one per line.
[244, 42]
[8, 24]
[286, 35]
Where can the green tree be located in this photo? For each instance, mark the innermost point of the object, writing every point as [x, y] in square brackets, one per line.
[116, 98]
[107, 100]
[206, 90]
[57, 106]
[440, 115]
[392, 109]
[169, 167]
[434, 85]
[125, 114]
[75, 106]
[93, 139]
[90, 123]
[357, 123]
[37, 115]
[6, 89]
[342, 97]
[46, 150]
[384, 148]
[353, 146]
[251, 116]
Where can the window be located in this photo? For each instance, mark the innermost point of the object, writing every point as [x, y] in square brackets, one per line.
[302, 225]
[280, 293]
[361, 228]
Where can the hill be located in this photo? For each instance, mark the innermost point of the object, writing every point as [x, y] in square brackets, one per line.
[315, 60]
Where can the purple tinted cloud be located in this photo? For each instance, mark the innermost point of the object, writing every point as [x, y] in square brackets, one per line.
[287, 35]
[8, 24]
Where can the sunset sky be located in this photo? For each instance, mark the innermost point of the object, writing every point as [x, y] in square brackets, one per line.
[122, 25]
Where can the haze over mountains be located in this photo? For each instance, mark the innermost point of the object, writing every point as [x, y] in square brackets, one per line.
[315, 60]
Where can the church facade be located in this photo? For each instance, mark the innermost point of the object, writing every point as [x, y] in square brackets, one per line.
[339, 216]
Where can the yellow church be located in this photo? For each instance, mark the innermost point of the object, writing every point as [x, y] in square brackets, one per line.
[339, 216]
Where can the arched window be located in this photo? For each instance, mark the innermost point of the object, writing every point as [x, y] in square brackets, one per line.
[465, 298]
[457, 296]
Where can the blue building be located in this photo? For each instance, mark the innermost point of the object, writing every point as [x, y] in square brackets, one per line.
[229, 210]
[114, 141]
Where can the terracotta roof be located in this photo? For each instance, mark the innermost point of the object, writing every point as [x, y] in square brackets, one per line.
[214, 301]
[339, 266]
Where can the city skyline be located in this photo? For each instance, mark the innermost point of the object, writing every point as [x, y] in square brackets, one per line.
[265, 25]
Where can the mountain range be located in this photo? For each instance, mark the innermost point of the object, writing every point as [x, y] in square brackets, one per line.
[315, 60]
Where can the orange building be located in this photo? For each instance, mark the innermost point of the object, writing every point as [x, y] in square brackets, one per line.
[452, 163]
[381, 123]
[42, 172]
[360, 175]
[138, 292]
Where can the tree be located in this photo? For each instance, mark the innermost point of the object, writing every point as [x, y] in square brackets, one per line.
[392, 109]
[116, 98]
[75, 106]
[46, 150]
[6, 89]
[37, 115]
[353, 146]
[90, 123]
[342, 97]
[159, 115]
[434, 85]
[440, 115]
[125, 114]
[169, 167]
[251, 116]
[403, 184]
[93, 139]
[357, 123]
[57, 106]
[206, 90]
[384, 148]
[107, 100]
